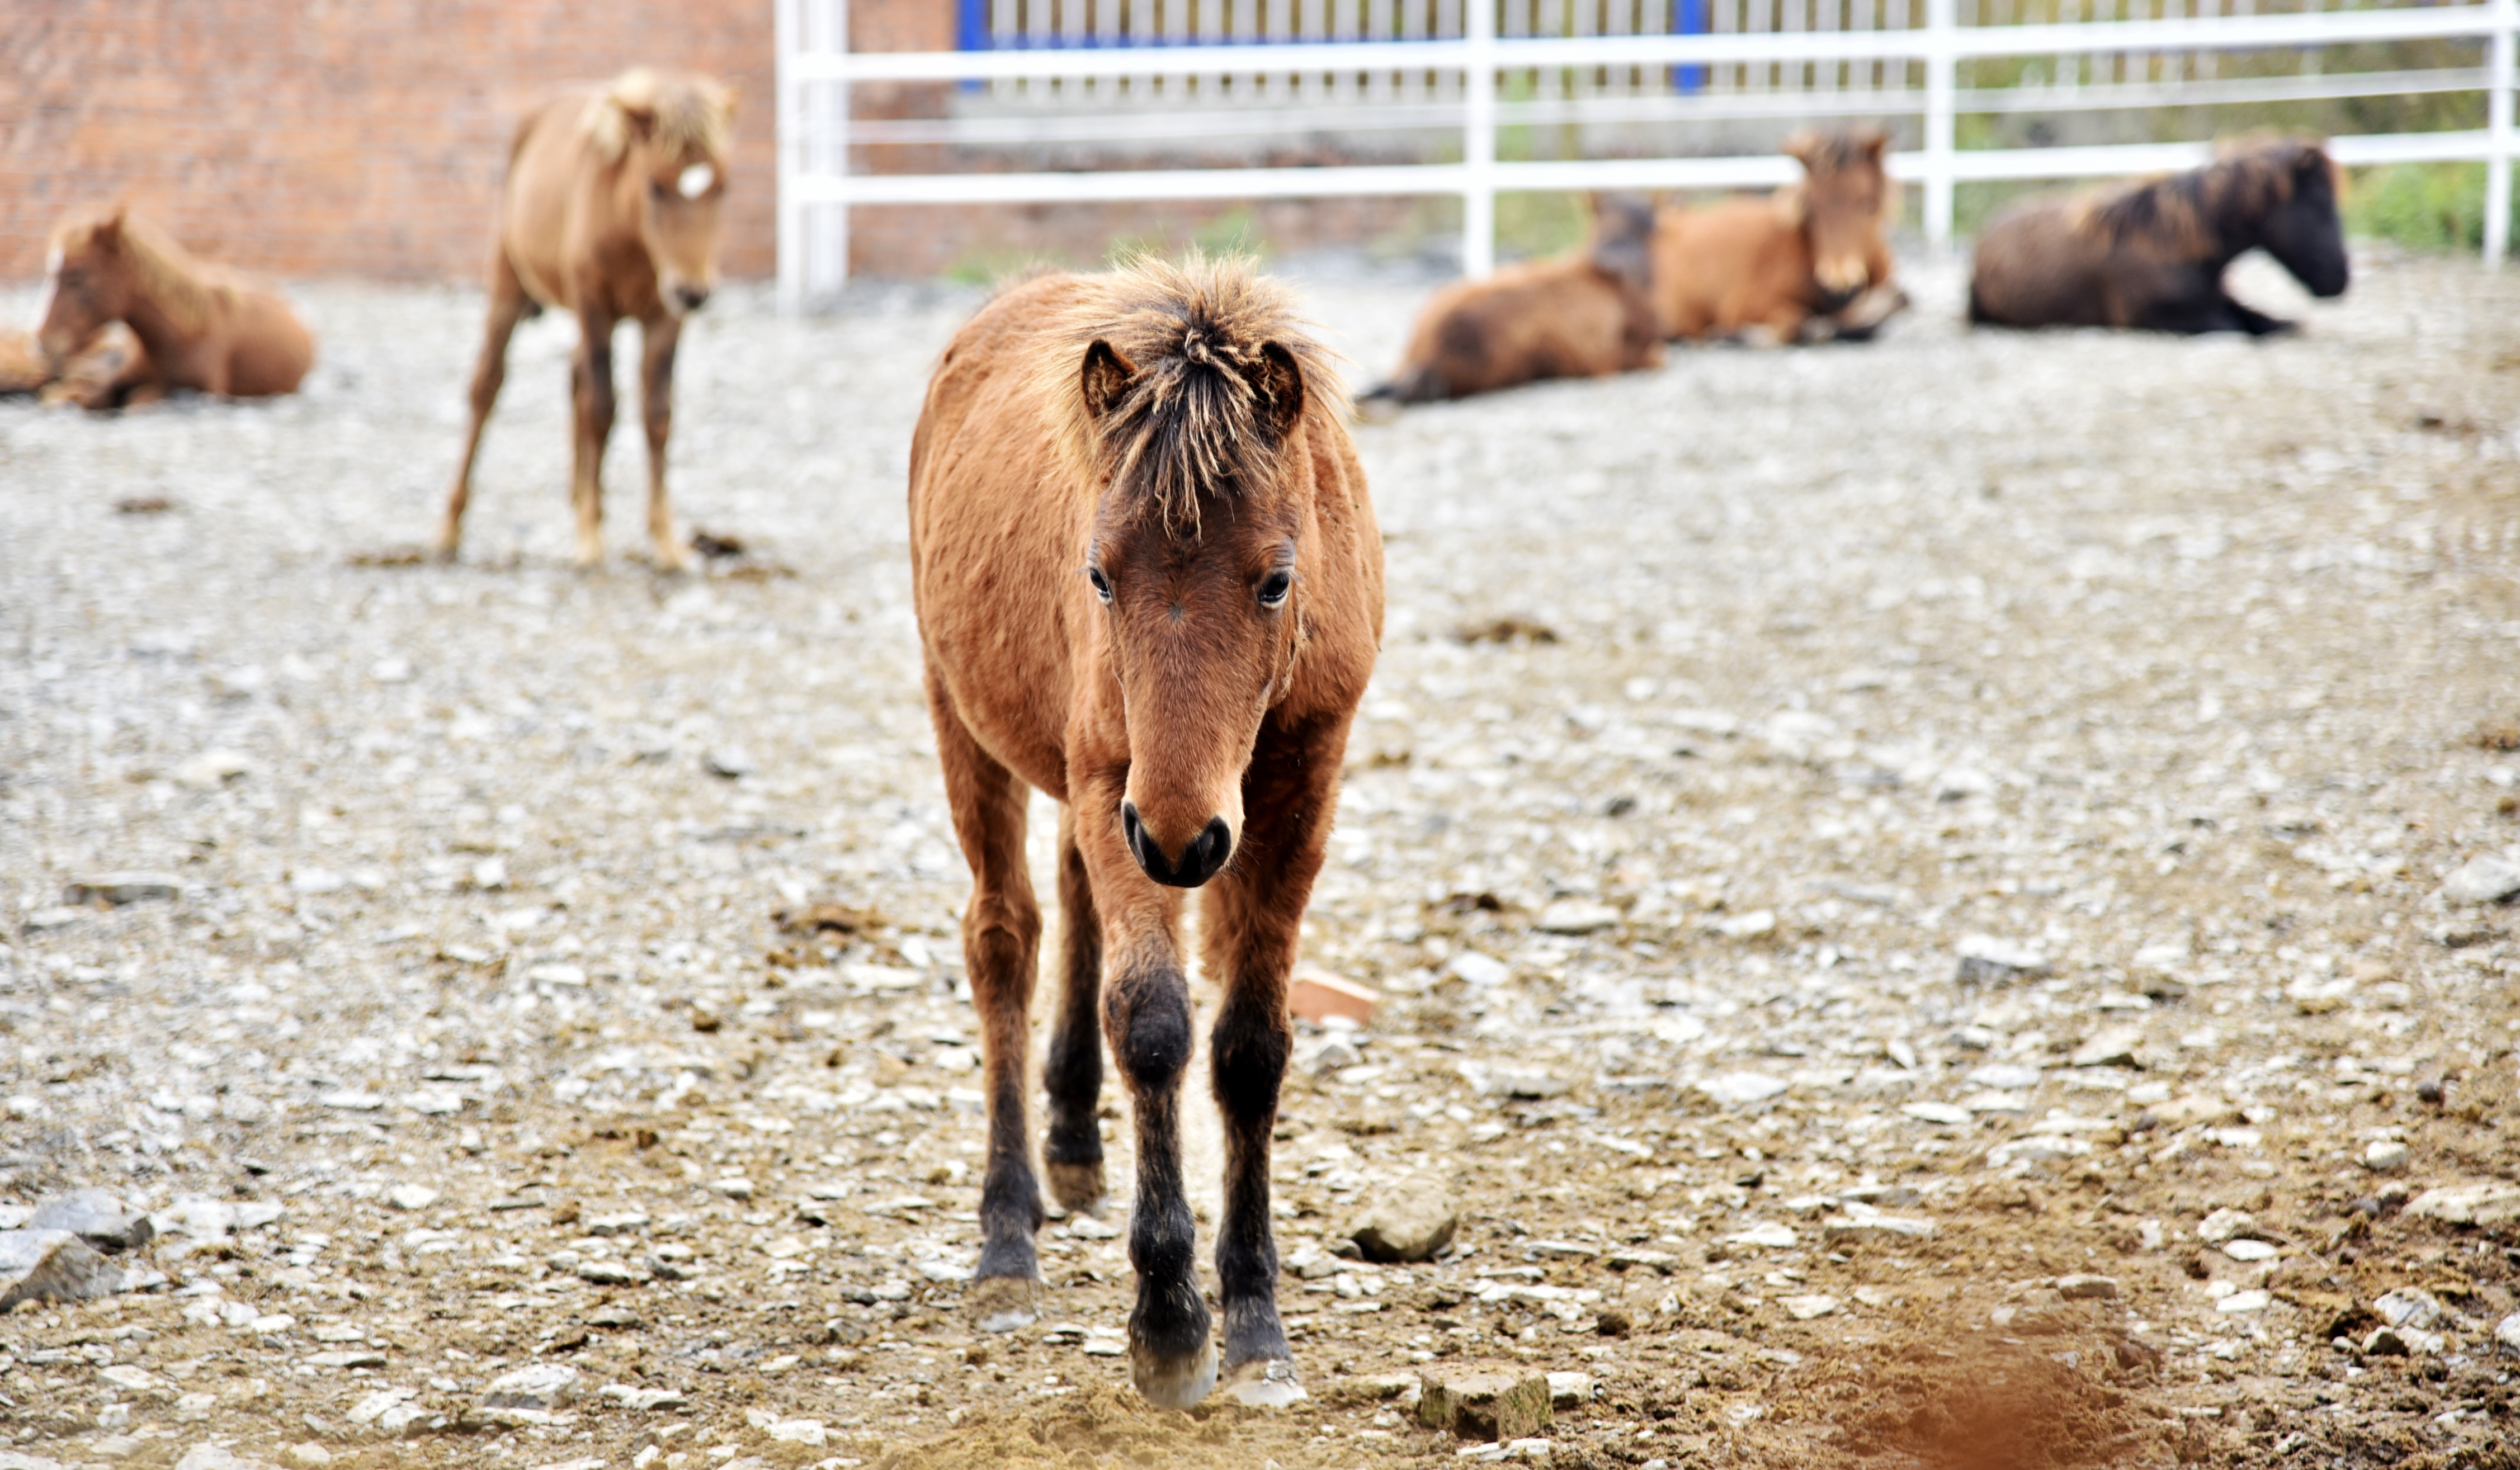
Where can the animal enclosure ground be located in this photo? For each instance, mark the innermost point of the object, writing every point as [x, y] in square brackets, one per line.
[1908, 877]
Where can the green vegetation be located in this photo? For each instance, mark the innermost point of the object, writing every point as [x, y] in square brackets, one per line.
[2423, 206]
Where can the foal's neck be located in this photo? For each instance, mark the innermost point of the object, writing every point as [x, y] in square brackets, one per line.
[158, 321]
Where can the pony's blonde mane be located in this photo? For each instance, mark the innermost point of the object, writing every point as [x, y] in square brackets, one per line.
[691, 116]
[1190, 420]
[190, 291]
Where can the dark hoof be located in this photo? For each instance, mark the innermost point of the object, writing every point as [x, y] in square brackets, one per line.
[1265, 1383]
[1004, 1304]
[1076, 1186]
[1178, 1384]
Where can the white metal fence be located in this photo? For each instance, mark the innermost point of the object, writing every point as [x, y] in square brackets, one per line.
[1172, 73]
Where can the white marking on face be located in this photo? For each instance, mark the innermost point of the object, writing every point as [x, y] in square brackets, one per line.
[695, 181]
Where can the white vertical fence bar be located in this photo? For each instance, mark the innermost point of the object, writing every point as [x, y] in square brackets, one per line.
[826, 229]
[1479, 140]
[2497, 163]
[787, 115]
[1942, 103]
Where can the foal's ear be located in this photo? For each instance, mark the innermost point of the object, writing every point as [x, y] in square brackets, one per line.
[1279, 383]
[1106, 378]
[1874, 140]
[1801, 146]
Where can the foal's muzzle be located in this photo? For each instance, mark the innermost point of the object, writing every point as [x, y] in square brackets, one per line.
[1200, 861]
[692, 297]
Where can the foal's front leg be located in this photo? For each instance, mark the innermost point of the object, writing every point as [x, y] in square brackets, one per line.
[657, 337]
[592, 381]
[1145, 1013]
[1254, 911]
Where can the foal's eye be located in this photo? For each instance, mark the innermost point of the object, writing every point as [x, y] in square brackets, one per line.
[1273, 592]
[1101, 582]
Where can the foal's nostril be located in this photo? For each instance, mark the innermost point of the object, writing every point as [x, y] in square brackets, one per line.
[692, 297]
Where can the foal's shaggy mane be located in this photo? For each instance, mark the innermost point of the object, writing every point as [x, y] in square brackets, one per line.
[1190, 420]
[190, 291]
[689, 116]
[2187, 211]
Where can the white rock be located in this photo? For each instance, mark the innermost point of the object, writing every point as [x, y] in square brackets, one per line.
[212, 769]
[2226, 1225]
[2245, 1301]
[411, 1196]
[2485, 879]
[1805, 1308]
[2409, 1307]
[1741, 1089]
[52, 1266]
[1947, 1114]
[2506, 1335]
[1985, 959]
[1478, 970]
[1576, 916]
[544, 1386]
[2385, 1156]
[2486, 1204]
[2248, 1249]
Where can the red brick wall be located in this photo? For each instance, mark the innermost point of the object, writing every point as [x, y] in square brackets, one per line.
[337, 137]
[366, 138]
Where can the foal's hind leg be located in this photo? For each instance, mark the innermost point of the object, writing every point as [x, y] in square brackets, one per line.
[506, 308]
[1254, 911]
[1001, 945]
[658, 336]
[1073, 1150]
[590, 377]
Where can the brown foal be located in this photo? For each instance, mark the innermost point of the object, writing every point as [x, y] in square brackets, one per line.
[1149, 583]
[611, 209]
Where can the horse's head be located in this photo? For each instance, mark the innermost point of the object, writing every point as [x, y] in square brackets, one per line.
[2300, 226]
[1191, 397]
[668, 131]
[1843, 204]
[86, 287]
[1622, 244]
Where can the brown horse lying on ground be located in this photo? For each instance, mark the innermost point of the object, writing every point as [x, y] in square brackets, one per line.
[1809, 261]
[199, 326]
[2151, 254]
[1586, 314]
[610, 210]
[1149, 583]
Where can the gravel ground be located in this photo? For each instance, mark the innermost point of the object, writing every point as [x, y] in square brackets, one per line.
[1935, 903]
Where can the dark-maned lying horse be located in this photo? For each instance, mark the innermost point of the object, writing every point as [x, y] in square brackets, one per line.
[610, 210]
[2151, 254]
[1149, 583]
[200, 326]
[1810, 260]
[1586, 314]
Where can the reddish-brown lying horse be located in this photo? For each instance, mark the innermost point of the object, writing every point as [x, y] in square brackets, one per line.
[1810, 260]
[2151, 254]
[1149, 583]
[1587, 314]
[200, 326]
[610, 210]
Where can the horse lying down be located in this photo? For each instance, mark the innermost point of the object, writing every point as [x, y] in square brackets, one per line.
[1810, 263]
[1585, 314]
[191, 324]
[2151, 254]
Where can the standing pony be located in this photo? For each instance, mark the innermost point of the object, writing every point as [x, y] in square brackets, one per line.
[610, 210]
[1587, 314]
[2151, 254]
[1810, 260]
[200, 326]
[1149, 583]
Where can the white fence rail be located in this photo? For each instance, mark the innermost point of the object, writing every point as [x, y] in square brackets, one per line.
[1906, 69]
